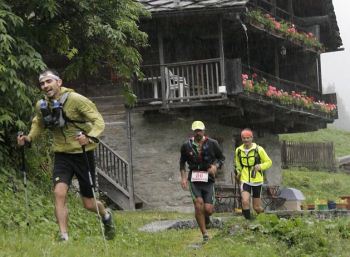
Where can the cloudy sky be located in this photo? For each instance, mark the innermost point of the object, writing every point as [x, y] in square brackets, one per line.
[336, 66]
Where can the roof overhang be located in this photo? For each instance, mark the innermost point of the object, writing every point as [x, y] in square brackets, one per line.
[166, 7]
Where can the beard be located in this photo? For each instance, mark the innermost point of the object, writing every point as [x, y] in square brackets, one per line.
[198, 137]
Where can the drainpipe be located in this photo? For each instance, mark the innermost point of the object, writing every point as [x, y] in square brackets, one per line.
[238, 18]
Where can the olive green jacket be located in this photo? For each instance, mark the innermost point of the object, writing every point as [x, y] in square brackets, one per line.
[76, 107]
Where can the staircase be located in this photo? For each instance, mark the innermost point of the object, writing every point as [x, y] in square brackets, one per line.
[113, 170]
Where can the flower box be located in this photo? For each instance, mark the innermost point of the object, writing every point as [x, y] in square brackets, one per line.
[322, 207]
[259, 88]
[282, 28]
[311, 207]
[347, 199]
[341, 206]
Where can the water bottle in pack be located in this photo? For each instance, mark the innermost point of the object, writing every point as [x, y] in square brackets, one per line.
[253, 173]
[46, 113]
[56, 112]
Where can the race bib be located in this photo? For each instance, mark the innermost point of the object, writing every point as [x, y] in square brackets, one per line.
[199, 176]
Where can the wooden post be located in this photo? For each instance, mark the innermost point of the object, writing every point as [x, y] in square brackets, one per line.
[277, 65]
[273, 7]
[222, 52]
[290, 11]
[283, 154]
[319, 75]
[162, 67]
[130, 179]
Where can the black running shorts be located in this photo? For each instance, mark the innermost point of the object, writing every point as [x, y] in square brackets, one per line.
[204, 190]
[67, 165]
[254, 190]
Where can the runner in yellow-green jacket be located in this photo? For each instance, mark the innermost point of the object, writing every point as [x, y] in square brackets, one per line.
[251, 161]
[74, 122]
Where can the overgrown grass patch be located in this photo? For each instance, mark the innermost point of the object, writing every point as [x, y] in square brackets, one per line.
[317, 184]
[267, 236]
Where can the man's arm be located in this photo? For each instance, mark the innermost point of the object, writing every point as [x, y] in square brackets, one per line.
[238, 166]
[36, 129]
[183, 159]
[219, 159]
[89, 111]
[266, 162]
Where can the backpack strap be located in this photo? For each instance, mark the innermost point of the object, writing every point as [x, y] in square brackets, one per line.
[63, 98]
[256, 156]
[62, 101]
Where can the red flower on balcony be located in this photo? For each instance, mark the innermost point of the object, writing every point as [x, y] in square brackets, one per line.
[284, 28]
[297, 99]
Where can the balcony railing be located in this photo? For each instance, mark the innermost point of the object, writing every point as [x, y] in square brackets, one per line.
[198, 81]
[280, 13]
[285, 85]
[179, 82]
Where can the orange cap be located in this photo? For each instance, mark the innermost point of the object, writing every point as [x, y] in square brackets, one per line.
[246, 133]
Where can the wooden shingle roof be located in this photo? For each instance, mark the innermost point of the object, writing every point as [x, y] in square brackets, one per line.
[335, 40]
[155, 6]
[165, 7]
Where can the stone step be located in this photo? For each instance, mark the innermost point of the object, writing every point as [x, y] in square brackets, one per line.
[115, 119]
[96, 89]
[111, 109]
[119, 99]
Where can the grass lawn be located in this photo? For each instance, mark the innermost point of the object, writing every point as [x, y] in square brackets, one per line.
[266, 236]
[317, 184]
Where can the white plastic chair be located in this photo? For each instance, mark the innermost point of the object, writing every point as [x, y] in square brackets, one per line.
[176, 85]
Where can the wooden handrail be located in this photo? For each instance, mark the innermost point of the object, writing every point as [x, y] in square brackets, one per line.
[183, 63]
[112, 164]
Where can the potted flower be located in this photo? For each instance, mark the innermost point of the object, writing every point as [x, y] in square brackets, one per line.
[287, 29]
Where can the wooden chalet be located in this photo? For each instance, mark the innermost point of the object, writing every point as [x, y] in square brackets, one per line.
[252, 63]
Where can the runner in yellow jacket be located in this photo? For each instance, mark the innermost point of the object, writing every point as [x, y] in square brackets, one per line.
[66, 114]
[251, 161]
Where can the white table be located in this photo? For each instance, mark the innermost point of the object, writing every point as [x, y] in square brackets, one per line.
[154, 81]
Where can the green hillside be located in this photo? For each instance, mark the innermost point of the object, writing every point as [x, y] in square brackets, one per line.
[340, 138]
[319, 184]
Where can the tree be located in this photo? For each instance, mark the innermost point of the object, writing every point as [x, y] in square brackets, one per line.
[18, 59]
[86, 36]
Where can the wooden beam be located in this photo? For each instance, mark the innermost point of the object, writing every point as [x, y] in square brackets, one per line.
[290, 10]
[319, 75]
[161, 61]
[221, 50]
[314, 20]
[273, 7]
[277, 65]
[263, 120]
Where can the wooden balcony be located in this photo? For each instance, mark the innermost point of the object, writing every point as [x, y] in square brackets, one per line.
[206, 83]
[181, 83]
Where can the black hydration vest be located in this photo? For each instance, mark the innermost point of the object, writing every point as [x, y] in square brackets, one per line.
[55, 116]
[198, 160]
[256, 157]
